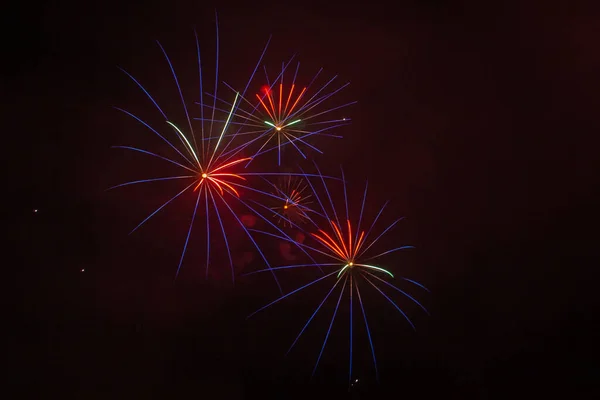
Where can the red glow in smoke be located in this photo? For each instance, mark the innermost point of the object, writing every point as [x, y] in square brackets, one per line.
[265, 89]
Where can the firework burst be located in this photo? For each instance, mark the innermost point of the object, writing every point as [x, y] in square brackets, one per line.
[283, 114]
[295, 203]
[214, 168]
[344, 247]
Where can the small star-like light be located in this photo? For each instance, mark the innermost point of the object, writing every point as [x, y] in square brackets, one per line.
[82, 269]
[35, 210]
[204, 175]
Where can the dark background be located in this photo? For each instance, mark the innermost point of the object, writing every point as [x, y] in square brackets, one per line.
[476, 120]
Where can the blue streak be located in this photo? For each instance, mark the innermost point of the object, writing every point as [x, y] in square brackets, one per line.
[330, 325]
[368, 330]
[346, 201]
[150, 180]
[415, 283]
[328, 111]
[362, 208]
[399, 290]
[391, 301]
[390, 251]
[224, 236]
[375, 221]
[155, 155]
[292, 292]
[328, 195]
[291, 267]
[180, 93]
[201, 91]
[161, 207]
[158, 134]
[207, 234]
[351, 329]
[189, 233]
[145, 91]
[216, 73]
[312, 316]
[315, 193]
[381, 234]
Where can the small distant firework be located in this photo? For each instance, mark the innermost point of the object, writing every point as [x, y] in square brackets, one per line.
[284, 114]
[293, 206]
[346, 246]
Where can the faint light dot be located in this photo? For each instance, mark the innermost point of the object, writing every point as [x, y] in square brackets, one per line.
[35, 210]
[82, 269]
[343, 119]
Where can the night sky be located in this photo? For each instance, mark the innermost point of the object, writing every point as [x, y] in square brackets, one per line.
[475, 121]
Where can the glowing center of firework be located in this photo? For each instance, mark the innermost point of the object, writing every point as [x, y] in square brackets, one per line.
[219, 178]
[279, 127]
[345, 248]
[285, 207]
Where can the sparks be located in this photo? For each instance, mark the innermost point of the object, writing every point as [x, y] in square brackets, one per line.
[341, 245]
[293, 207]
[217, 178]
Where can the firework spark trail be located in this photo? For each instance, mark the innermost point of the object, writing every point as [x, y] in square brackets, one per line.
[345, 246]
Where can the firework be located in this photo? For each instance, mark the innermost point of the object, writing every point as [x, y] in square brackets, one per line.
[295, 202]
[283, 114]
[345, 247]
[213, 175]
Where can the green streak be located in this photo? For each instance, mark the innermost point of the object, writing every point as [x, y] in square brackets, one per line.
[343, 269]
[224, 128]
[376, 268]
[184, 138]
[292, 123]
[270, 124]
